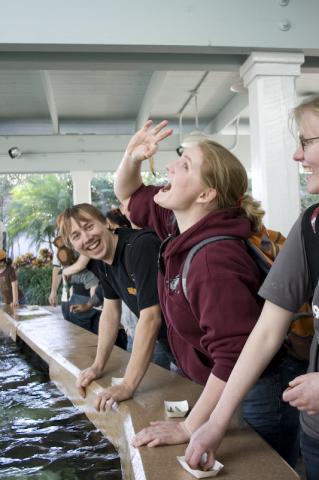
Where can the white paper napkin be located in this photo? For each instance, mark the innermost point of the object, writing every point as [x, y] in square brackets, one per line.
[201, 473]
[176, 409]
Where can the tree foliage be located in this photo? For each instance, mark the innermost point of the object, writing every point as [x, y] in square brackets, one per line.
[34, 206]
[7, 182]
[35, 284]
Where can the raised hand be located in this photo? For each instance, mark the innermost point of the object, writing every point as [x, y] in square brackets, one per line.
[144, 144]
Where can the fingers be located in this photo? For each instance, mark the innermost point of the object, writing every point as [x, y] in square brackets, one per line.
[81, 390]
[104, 402]
[157, 132]
[164, 134]
[198, 459]
[210, 460]
[84, 380]
[160, 126]
[193, 458]
[147, 436]
[312, 412]
[154, 443]
[147, 125]
[81, 387]
[297, 381]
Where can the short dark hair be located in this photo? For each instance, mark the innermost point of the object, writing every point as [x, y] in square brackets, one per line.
[117, 217]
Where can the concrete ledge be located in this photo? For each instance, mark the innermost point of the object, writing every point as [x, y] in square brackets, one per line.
[68, 348]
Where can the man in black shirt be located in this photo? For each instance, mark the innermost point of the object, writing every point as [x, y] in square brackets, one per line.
[126, 264]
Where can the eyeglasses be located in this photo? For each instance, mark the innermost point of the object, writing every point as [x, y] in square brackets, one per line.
[305, 142]
[180, 151]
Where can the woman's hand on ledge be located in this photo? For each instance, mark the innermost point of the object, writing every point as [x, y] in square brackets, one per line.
[206, 439]
[162, 433]
[86, 377]
[116, 393]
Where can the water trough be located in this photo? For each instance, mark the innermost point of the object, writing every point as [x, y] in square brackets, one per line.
[67, 349]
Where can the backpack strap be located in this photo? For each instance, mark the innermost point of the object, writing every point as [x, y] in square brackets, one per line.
[258, 256]
[310, 232]
[129, 248]
[193, 251]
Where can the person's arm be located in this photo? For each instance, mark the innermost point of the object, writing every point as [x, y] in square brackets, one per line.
[80, 307]
[108, 329]
[92, 290]
[143, 145]
[143, 346]
[55, 282]
[15, 294]
[261, 346]
[78, 266]
[173, 433]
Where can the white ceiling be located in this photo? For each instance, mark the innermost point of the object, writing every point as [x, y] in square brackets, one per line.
[84, 98]
[48, 111]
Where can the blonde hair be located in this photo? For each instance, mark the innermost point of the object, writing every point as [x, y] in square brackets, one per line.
[80, 213]
[223, 171]
[311, 104]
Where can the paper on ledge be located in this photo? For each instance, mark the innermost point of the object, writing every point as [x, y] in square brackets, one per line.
[201, 473]
[176, 409]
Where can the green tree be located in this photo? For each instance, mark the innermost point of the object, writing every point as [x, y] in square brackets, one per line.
[102, 190]
[7, 182]
[34, 206]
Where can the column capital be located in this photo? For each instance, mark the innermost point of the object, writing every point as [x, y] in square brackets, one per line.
[81, 186]
[271, 64]
[82, 174]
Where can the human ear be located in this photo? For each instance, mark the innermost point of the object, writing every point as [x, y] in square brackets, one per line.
[207, 196]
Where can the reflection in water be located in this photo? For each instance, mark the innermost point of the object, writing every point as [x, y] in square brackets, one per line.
[42, 436]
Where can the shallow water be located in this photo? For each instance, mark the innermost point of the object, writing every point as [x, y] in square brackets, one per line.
[42, 436]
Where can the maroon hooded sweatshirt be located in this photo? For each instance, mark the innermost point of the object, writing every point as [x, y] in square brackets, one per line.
[208, 331]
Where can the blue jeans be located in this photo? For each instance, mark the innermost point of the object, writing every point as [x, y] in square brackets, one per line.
[88, 320]
[310, 451]
[161, 355]
[265, 411]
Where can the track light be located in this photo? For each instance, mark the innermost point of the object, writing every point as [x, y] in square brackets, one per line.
[14, 152]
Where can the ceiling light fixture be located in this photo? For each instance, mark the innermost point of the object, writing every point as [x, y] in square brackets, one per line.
[14, 152]
[238, 87]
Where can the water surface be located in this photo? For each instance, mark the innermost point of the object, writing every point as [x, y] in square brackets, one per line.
[42, 436]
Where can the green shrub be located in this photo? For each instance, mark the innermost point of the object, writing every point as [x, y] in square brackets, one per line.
[35, 284]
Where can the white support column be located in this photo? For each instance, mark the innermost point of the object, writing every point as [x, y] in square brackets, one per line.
[270, 78]
[1, 235]
[82, 186]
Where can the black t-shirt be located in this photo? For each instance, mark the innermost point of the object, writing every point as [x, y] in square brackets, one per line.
[141, 261]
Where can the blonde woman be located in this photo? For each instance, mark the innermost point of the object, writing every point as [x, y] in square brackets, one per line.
[205, 197]
[287, 286]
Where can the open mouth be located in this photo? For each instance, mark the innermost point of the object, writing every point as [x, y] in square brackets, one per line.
[307, 170]
[93, 246]
[166, 188]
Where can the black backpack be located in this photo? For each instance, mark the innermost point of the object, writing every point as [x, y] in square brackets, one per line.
[310, 232]
[134, 235]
